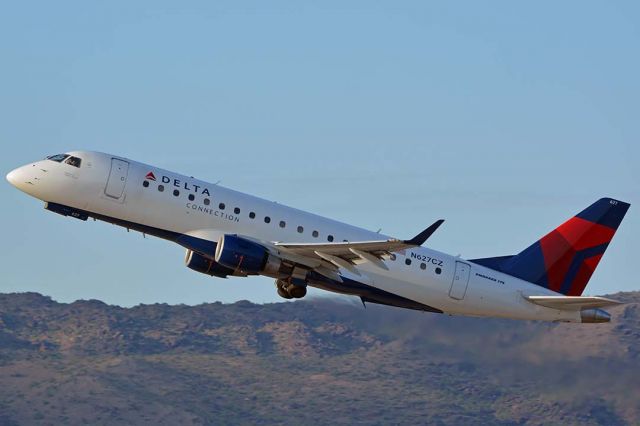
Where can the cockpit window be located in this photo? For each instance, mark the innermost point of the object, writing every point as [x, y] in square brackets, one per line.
[73, 161]
[58, 158]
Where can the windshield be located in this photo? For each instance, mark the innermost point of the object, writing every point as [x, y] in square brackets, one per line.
[73, 161]
[66, 158]
[58, 158]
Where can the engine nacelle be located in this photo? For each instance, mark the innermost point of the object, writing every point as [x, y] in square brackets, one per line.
[249, 257]
[201, 264]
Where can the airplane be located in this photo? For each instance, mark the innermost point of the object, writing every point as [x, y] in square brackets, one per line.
[231, 234]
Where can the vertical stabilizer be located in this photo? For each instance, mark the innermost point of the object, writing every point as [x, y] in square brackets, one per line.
[565, 258]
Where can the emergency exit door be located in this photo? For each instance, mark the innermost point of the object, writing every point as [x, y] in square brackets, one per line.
[460, 281]
[117, 178]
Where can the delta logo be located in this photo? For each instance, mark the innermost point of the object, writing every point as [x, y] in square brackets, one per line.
[179, 184]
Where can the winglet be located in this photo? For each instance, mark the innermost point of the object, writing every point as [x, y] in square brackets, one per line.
[419, 239]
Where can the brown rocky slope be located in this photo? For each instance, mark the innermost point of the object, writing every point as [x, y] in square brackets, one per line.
[309, 362]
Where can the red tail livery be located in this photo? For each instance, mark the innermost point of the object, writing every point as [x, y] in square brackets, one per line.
[565, 258]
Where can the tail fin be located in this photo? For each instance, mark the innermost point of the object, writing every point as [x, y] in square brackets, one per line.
[565, 258]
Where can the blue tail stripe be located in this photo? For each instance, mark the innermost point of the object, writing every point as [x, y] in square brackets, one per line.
[605, 211]
[577, 262]
[528, 265]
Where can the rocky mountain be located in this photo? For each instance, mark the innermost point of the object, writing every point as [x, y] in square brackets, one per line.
[310, 362]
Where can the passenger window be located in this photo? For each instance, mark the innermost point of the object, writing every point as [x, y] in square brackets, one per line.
[207, 201]
[221, 206]
[73, 161]
[438, 271]
[315, 234]
[160, 188]
[300, 229]
[392, 257]
[252, 215]
[236, 210]
[282, 224]
[192, 197]
[423, 266]
[407, 262]
[267, 219]
[145, 183]
[330, 238]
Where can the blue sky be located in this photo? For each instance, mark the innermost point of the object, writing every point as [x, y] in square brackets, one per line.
[504, 118]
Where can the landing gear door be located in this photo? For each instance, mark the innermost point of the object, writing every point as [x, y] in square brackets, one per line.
[460, 281]
[117, 178]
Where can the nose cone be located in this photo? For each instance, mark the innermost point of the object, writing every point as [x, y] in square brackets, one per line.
[13, 177]
[22, 178]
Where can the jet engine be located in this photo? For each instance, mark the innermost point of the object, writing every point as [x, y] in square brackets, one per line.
[290, 289]
[201, 264]
[250, 258]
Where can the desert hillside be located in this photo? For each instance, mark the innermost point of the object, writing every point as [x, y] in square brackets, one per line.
[309, 362]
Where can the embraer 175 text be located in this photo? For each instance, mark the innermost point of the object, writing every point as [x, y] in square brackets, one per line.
[228, 233]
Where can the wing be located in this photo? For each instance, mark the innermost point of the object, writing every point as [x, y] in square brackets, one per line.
[572, 303]
[347, 254]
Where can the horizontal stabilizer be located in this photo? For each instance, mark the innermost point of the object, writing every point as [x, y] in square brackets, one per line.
[572, 303]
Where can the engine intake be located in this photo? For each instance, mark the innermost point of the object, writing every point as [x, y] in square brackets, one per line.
[199, 263]
[249, 257]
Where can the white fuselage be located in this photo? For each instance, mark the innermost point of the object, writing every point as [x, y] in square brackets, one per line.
[420, 274]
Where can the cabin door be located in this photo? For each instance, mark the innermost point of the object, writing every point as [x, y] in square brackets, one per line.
[117, 178]
[460, 281]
